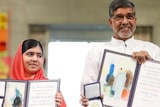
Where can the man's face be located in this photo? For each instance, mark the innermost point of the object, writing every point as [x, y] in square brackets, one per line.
[123, 23]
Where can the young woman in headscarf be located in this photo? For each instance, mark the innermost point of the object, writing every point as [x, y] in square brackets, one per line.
[28, 65]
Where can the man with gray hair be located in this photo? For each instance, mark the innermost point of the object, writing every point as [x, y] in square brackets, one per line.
[122, 20]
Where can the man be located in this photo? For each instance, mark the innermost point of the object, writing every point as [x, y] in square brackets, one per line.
[123, 23]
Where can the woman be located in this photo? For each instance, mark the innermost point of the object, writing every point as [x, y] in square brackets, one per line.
[28, 65]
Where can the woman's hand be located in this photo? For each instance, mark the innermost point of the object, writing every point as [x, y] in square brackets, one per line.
[58, 99]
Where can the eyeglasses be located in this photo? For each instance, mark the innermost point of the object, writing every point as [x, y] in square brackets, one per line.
[120, 18]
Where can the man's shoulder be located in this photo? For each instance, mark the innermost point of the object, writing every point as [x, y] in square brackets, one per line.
[100, 47]
[149, 43]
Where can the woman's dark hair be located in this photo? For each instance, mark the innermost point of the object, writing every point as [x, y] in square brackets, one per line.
[30, 43]
[120, 4]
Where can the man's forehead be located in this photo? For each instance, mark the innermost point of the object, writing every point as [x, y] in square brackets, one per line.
[122, 10]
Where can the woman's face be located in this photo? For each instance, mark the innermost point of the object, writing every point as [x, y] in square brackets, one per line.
[33, 60]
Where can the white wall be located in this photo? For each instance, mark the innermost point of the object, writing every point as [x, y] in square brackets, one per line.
[66, 62]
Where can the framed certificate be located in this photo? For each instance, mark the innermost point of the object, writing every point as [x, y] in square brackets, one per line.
[42, 93]
[146, 92]
[32, 93]
[116, 77]
[92, 92]
[2, 92]
[2, 88]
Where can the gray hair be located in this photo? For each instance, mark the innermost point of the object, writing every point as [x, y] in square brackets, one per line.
[115, 4]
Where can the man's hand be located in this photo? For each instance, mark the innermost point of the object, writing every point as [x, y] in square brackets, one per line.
[141, 56]
[84, 101]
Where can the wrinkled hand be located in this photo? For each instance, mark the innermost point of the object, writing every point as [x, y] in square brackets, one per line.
[58, 99]
[84, 101]
[141, 56]
[102, 96]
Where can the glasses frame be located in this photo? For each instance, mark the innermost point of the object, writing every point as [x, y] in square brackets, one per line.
[119, 17]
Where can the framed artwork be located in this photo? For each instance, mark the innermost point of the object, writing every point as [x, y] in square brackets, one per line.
[126, 83]
[116, 77]
[15, 94]
[32, 93]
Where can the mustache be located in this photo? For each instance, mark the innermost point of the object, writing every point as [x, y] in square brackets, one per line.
[125, 26]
